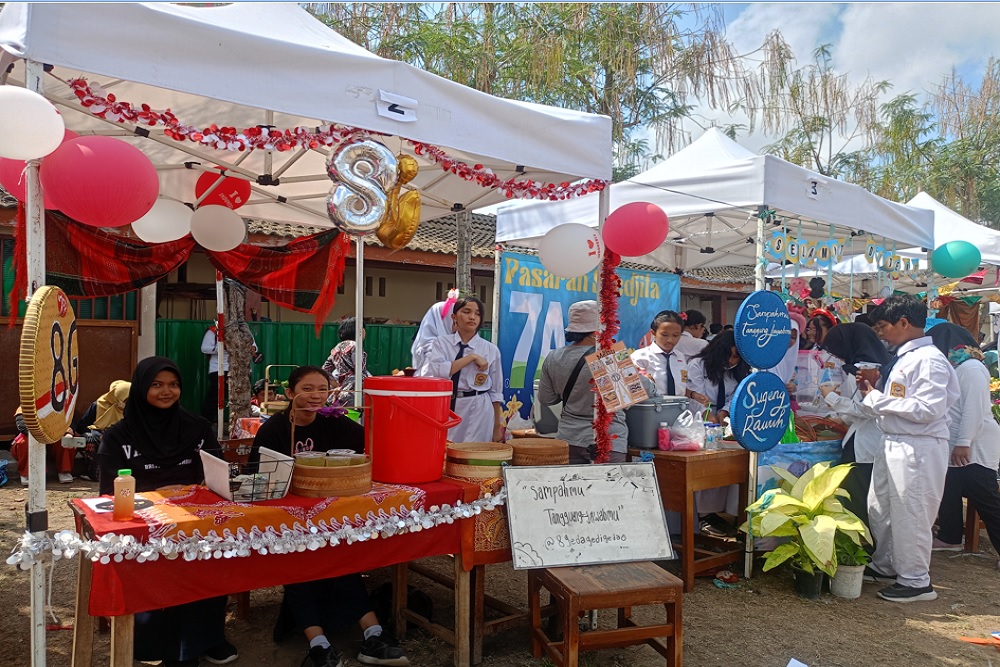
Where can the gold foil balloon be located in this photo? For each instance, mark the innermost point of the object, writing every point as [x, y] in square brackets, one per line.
[404, 212]
[363, 173]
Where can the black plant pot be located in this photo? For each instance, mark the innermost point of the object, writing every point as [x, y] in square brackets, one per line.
[808, 585]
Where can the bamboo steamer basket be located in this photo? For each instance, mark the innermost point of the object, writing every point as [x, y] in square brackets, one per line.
[476, 460]
[329, 482]
[540, 452]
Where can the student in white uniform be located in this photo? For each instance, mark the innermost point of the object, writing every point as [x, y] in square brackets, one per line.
[691, 342]
[473, 364]
[661, 362]
[715, 373]
[855, 344]
[974, 441]
[437, 322]
[912, 410]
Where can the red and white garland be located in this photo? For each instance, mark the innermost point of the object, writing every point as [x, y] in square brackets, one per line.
[105, 105]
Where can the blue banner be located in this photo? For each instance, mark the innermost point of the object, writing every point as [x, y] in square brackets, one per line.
[534, 312]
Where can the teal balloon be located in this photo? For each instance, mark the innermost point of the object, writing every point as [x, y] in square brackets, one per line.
[956, 259]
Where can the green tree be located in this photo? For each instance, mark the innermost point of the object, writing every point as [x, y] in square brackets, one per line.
[642, 64]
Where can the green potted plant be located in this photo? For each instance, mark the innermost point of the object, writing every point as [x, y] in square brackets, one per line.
[851, 560]
[807, 511]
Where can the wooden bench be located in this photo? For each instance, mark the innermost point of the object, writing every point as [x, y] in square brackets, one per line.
[619, 586]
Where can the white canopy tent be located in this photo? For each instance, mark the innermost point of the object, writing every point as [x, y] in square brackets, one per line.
[713, 191]
[254, 65]
[948, 226]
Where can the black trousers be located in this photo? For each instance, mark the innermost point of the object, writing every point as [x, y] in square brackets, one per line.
[857, 482]
[183, 632]
[210, 408]
[979, 485]
[328, 603]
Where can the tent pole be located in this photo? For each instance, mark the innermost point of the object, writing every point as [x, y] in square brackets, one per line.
[359, 318]
[495, 323]
[603, 208]
[35, 259]
[758, 275]
[220, 349]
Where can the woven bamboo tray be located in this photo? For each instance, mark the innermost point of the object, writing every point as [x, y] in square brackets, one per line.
[337, 481]
[476, 460]
[540, 452]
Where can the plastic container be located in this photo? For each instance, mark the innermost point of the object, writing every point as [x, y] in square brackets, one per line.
[644, 419]
[713, 436]
[124, 503]
[406, 427]
[663, 437]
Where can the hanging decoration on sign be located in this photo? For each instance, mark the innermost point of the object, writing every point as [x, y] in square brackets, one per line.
[48, 365]
[763, 329]
[782, 247]
[363, 172]
[760, 411]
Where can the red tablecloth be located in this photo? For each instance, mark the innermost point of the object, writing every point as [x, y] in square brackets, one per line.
[129, 586]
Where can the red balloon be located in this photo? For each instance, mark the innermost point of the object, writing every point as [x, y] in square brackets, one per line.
[12, 179]
[100, 181]
[231, 192]
[635, 229]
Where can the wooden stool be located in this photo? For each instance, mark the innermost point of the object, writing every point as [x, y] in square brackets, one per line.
[618, 586]
[973, 524]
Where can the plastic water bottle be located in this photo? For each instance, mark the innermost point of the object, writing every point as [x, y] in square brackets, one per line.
[124, 504]
[663, 437]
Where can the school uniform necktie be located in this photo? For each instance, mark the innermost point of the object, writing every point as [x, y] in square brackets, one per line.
[454, 378]
[671, 388]
[720, 395]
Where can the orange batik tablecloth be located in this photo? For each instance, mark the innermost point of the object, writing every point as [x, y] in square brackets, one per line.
[192, 544]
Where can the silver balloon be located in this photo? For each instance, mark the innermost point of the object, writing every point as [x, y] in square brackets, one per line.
[363, 172]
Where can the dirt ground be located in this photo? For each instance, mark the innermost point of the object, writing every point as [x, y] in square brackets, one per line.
[761, 624]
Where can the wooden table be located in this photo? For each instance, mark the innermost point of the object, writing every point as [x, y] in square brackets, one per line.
[679, 475]
[115, 593]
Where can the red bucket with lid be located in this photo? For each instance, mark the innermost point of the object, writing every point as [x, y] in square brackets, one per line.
[406, 427]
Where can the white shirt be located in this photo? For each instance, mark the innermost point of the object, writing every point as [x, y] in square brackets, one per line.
[209, 346]
[699, 382]
[860, 420]
[689, 346]
[918, 394]
[652, 360]
[972, 423]
[443, 351]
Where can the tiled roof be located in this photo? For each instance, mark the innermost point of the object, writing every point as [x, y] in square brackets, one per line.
[436, 235]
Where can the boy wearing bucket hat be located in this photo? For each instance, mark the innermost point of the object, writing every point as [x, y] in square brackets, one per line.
[566, 378]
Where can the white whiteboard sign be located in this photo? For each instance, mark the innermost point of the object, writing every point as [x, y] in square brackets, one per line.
[582, 515]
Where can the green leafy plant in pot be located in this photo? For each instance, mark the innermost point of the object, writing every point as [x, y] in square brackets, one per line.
[807, 511]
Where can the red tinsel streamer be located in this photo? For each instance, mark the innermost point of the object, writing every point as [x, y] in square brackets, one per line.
[610, 289]
[104, 105]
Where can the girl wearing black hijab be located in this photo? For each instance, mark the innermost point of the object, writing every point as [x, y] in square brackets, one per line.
[974, 439]
[159, 441]
[859, 348]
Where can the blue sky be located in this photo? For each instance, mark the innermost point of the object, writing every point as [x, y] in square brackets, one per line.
[912, 45]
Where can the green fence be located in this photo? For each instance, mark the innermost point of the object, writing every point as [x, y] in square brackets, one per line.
[282, 343]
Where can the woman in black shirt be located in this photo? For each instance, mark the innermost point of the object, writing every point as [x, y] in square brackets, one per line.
[159, 441]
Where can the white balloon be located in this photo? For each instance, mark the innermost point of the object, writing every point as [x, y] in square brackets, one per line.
[217, 228]
[168, 220]
[571, 250]
[32, 127]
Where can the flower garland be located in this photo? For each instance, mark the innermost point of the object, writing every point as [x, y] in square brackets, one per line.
[610, 290]
[67, 543]
[105, 105]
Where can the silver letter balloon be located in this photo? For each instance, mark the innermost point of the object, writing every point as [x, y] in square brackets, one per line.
[362, 172]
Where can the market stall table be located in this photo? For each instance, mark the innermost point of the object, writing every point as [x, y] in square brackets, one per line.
[679, 475]
[121, 588]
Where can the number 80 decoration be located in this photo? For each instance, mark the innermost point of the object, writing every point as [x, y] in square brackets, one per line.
[48, 370]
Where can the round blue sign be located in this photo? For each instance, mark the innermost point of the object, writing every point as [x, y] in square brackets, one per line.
[763, 329]
[760, 410]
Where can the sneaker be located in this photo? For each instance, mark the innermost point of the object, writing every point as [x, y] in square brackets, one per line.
[938, 545]
[24, 481]
[320, 656]
[707, 528]
[873, 576]
[382, 649]
[222, 654]
[65, 478]
[900, 593]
